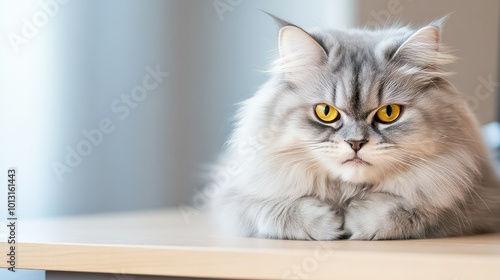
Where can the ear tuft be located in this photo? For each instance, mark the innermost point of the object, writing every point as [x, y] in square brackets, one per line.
[279, 21]
[439, 23]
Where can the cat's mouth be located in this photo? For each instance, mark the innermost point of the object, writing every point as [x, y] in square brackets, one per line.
[357, 161]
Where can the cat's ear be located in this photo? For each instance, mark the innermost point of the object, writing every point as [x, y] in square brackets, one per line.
[421, 48]
[299, 51]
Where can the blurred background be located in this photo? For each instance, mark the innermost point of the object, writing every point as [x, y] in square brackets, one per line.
[117, 105]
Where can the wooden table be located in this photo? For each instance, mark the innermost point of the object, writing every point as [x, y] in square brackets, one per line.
[163, 243]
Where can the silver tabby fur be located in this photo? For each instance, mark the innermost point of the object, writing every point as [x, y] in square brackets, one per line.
[429, 174]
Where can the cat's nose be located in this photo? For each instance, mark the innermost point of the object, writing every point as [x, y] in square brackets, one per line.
[356, 145]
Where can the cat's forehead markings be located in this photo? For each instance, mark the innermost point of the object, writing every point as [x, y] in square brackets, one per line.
[342, 97]
[334, 93]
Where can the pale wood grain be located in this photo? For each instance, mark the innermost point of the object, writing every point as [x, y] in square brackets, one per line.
[162, 243]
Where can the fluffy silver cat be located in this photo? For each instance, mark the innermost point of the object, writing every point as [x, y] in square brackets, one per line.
[358, 135]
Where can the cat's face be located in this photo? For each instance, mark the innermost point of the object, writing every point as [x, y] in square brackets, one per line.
[365, 108]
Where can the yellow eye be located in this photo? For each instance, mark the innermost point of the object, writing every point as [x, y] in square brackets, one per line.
[388, 113]
[326, 112]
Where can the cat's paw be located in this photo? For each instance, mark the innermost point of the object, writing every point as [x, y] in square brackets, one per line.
[317, 220]
[378, 218]
[304, 219]
[363, 226]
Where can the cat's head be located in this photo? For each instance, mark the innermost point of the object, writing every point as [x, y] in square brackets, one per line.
[360, 104]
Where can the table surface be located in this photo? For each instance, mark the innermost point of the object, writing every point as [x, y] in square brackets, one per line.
[163, 242]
